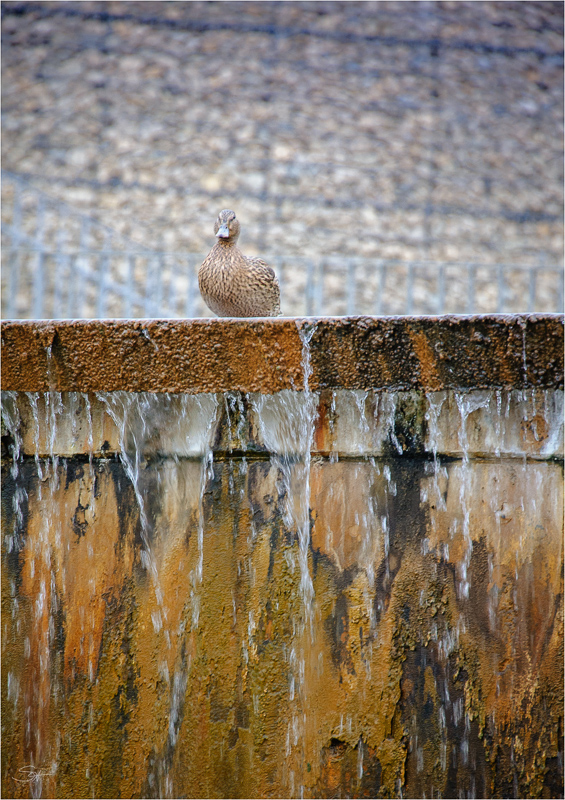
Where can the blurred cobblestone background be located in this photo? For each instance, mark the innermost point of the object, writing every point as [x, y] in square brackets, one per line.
[340, 132]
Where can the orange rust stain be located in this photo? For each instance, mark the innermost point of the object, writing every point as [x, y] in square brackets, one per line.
[320, 426]
[86, 560]
[386, 370]
[429, 376]
[36, 689]
[503, 361]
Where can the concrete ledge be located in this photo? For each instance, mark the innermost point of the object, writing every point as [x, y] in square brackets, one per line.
[267, 355]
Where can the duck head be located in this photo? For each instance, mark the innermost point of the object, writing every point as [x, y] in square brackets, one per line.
[226, 226]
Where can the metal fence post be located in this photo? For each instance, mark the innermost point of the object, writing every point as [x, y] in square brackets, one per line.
[38, 278]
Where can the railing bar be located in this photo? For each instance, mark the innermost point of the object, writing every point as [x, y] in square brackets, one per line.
[14, 231]
[472, 270]
[532, 290]
[38, 282]
[172, 295]
[148, 286]
[14, 274]
[158, 287]
[309, 287]
[130, 286]
[71, 288]
[84, 234]
[410, 288]
[191, 291]
[176, 283]
[501, 289]
[319, 290]
[279, 264]
[78, 298]
[98, 280]
[60, 263]
[380, 288]
[17, 210]
[351, 288]
[102, 279]
[441, 289]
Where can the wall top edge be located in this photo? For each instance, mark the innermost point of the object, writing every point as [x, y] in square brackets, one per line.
[284, 320]
[270, 354]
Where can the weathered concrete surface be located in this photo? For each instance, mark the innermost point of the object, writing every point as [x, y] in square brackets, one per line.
[430, 658]
[218, 355]
[353, 592]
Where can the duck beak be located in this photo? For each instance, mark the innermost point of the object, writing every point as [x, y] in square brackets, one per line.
[223, 232]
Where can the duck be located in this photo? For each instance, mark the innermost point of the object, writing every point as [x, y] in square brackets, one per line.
[234, 285]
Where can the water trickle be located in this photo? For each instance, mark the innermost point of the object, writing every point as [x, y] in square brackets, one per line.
[360, 401]
[385, 414]
[498, 424]
[236, 419]
[286, 428]
[131, 414]
[12, 423]
[307, 423]
[54, 410]
[360, 759]
[390, 483]
[522, 324]
[177, 700]
[334, 456]
[33, 399]
[435, 401]
[206, 474]
[42, 543]
[467, 403]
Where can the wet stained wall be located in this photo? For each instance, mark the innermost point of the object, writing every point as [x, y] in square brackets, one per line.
[328, 592]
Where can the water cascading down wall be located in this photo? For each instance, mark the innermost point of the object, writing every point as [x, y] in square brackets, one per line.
[265, 558]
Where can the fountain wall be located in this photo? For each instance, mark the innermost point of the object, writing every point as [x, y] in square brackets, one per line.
[314, 557]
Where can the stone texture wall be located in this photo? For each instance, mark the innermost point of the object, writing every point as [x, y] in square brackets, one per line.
[394, 130]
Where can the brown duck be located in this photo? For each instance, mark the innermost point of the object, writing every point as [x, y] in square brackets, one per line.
[233, 285]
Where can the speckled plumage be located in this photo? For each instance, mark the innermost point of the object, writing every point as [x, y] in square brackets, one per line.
[233, 285]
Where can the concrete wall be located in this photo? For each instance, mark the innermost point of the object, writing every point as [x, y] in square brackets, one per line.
[319, 590]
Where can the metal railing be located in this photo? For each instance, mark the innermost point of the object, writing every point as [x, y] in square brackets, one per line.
[58, 263]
